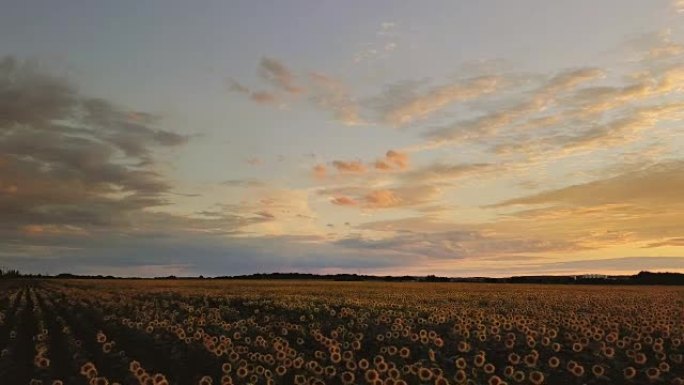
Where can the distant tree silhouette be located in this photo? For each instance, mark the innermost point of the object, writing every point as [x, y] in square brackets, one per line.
[9, 273]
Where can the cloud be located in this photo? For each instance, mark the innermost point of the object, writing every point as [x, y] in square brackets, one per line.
[235, 86]
[382, 199]
[385, 42]
[347, 167]
[343, 201]
[261, 97]
[399, 110]
[254, 161]
[244, 183]
[623, 129]
[319, 171]
[589, 118]
[658, 185]
[279, 75]
[193, 254]
[403, 196]
[430, 246]
[448, 172]
[451, 241]
[397, 158]
[70, 161]
[382, 165]
[331, 94]
[264, 97]
[641, 205]
[612, 133]
[393, 160]
[678, 242]
[594, 100]
[656, 46]
[538, 100]
[327, 93]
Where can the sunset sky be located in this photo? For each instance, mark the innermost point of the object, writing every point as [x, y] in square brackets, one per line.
[457, 138]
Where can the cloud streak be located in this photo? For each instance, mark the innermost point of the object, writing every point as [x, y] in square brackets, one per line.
[279, 75]
[402, 112]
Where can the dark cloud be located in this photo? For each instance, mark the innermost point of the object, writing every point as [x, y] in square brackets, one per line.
[440, 240]
[443, 245]
[28, 97]
[69, 161]
[189, 253]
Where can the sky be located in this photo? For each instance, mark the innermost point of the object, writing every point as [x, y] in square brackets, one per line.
[456, 138]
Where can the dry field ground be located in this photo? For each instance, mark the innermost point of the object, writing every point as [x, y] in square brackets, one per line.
[295, 332]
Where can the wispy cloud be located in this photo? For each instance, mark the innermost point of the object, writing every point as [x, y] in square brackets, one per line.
[441, 172]
[261, 97]
[332, 94]
[385, 41]
[399, 110]
[539, 100]
[352, 167]
[679, 242]
[326, 93]
[279, 75]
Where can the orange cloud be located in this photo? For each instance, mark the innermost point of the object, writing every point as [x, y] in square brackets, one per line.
[382, 199]
[399, 159]
[319, 171]
[344, 201]
[393, 160]
[402, 196]
[353, 167]
[382, 165]
[677, 242]
[264, 97]
[36, 230]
